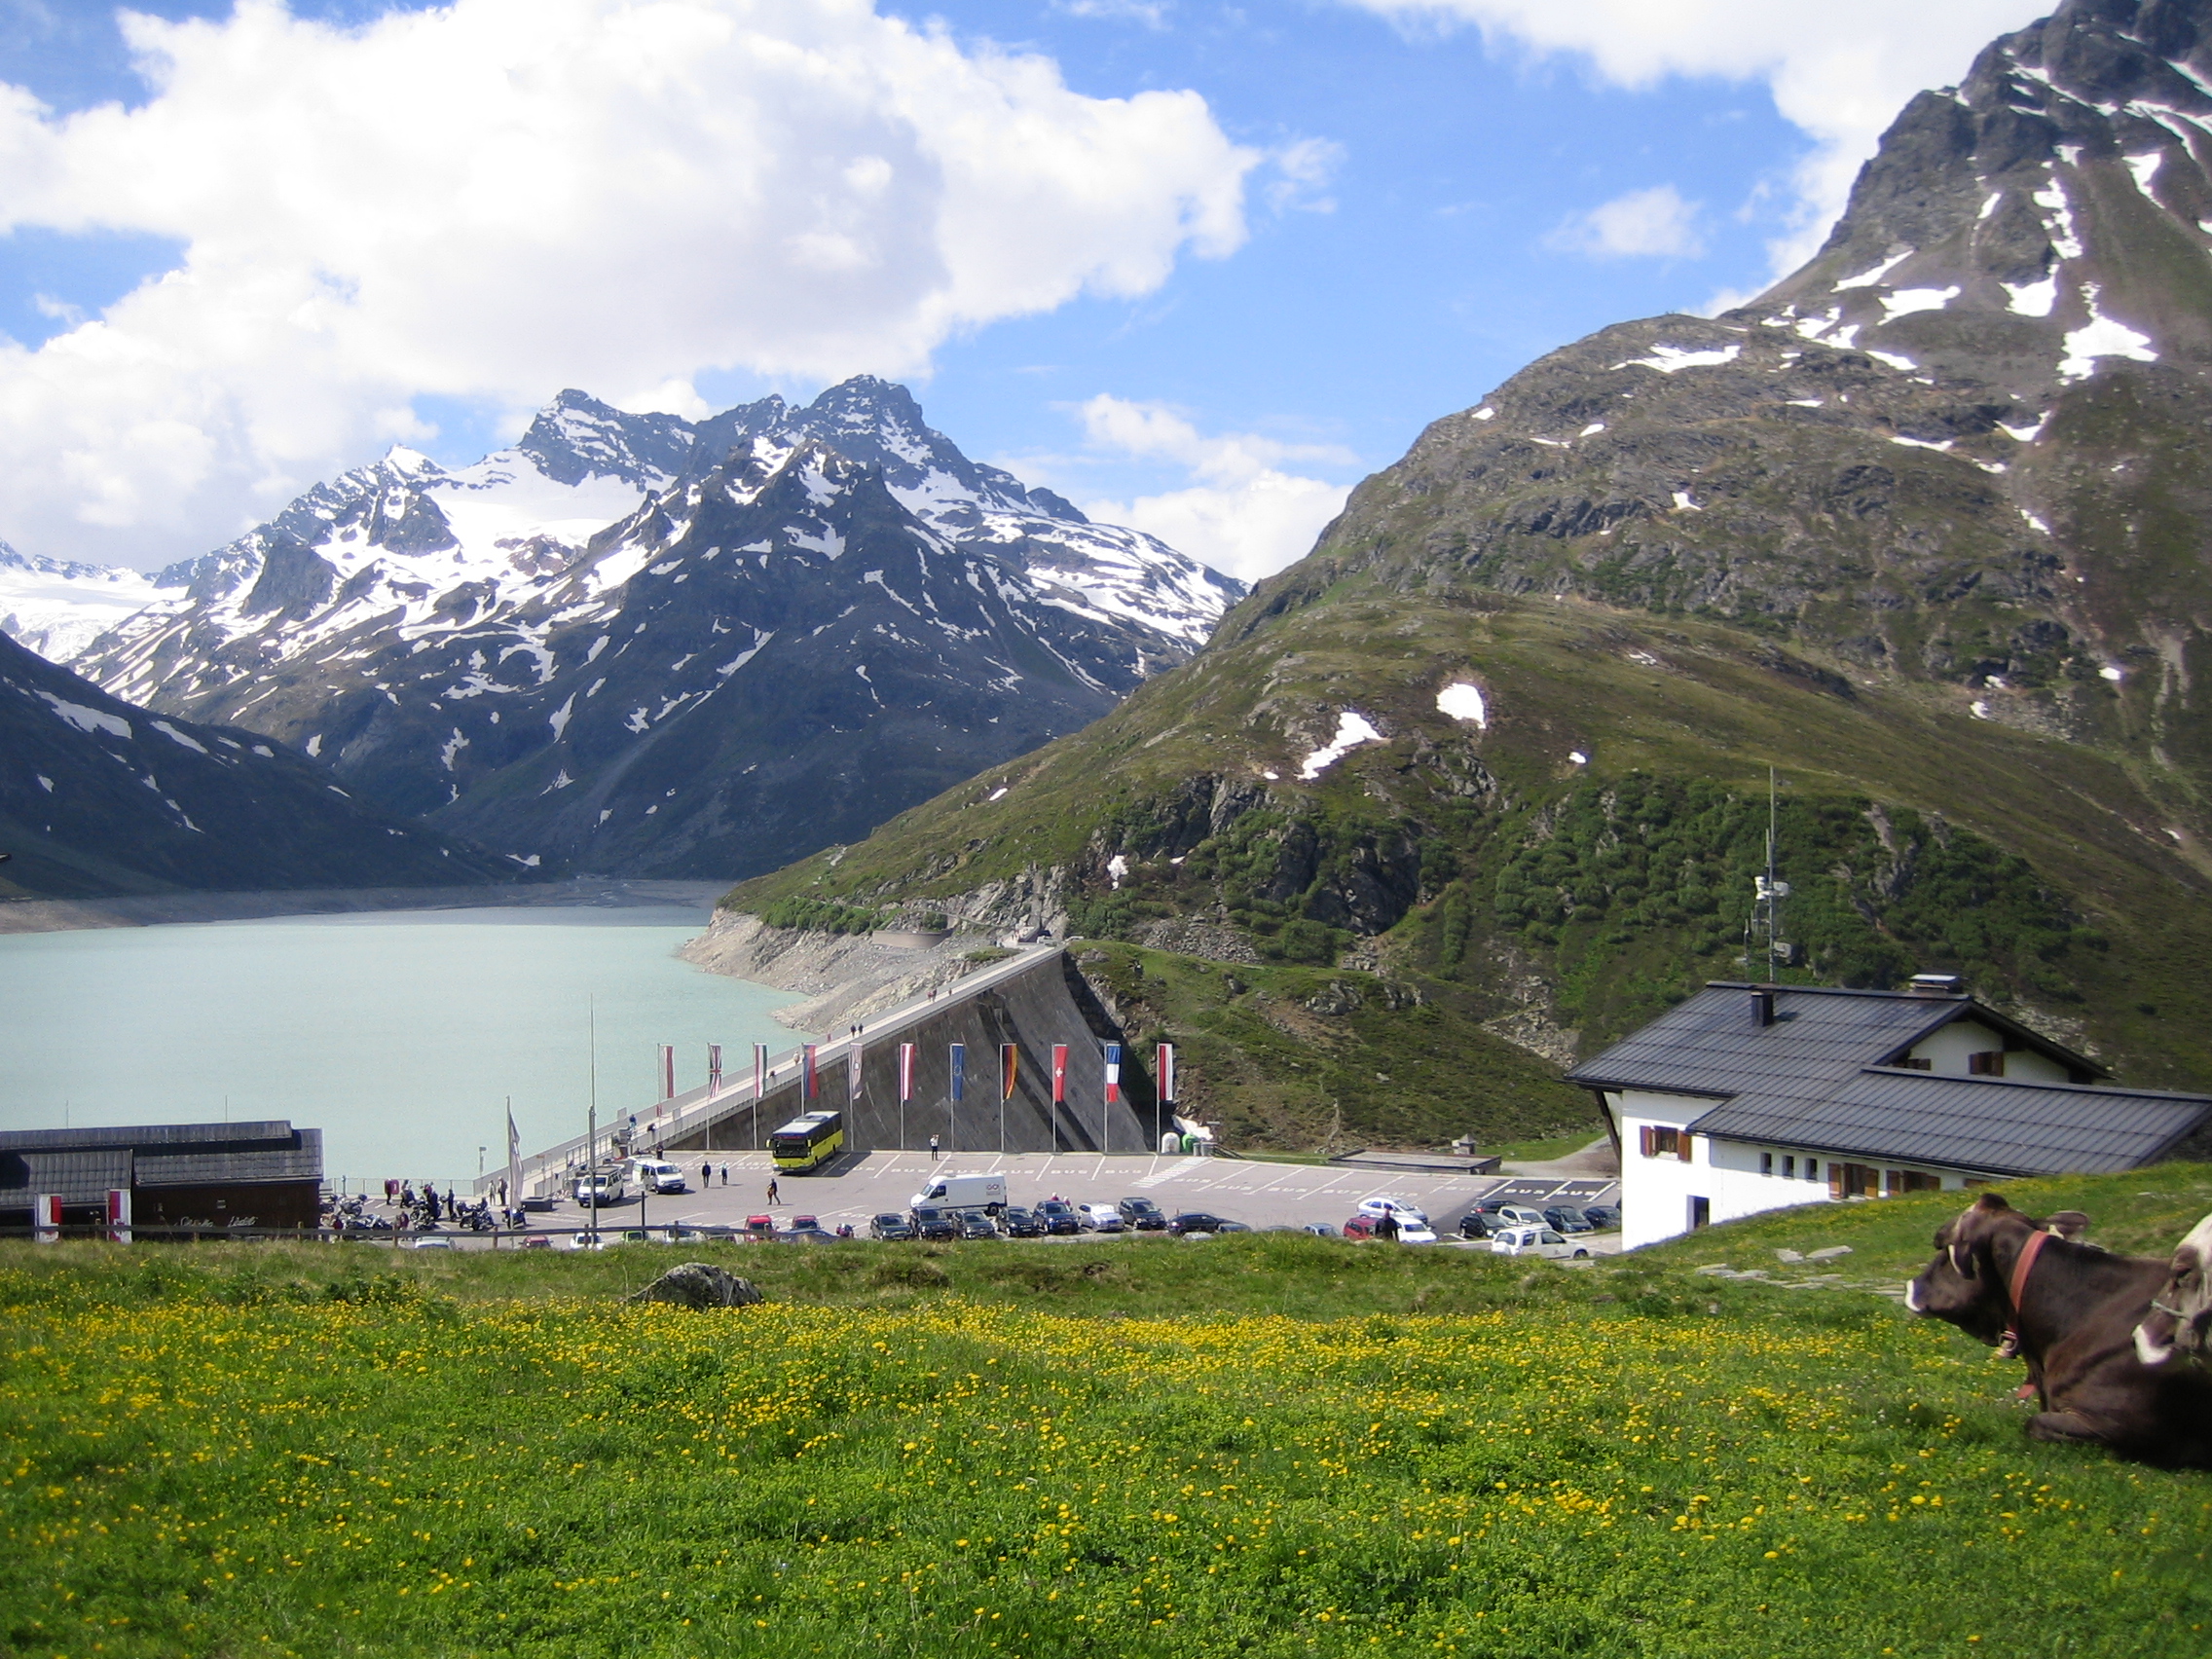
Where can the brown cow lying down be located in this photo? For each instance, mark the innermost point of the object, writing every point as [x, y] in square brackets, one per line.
[2075, 1318]
[2181, 1315]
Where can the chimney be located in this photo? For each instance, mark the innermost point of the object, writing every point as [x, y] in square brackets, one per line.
[1762, 1006]
[1937, 985]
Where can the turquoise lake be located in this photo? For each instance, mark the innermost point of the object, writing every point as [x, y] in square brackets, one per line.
[400, 1034]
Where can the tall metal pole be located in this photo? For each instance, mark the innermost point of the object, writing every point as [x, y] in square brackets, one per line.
[591, 1130]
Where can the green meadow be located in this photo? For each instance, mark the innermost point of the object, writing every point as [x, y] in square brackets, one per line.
[1260, 1444]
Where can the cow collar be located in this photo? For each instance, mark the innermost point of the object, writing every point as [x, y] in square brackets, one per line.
[2021, 1268]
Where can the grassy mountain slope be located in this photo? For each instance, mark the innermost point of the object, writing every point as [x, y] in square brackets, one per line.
[1576, 896]
[1922, 529]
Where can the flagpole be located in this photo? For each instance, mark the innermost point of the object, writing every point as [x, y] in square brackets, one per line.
[591, 1130]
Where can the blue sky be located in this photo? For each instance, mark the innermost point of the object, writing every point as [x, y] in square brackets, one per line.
[232, 283]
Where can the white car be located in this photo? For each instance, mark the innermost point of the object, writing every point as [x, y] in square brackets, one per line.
[1521, 1215]
[1415, 1229]
[1099, 1218]
[431, 1244]
[1535, 1241]
[1404, 1209]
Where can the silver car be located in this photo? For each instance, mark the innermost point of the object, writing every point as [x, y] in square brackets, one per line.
[1536, 1241]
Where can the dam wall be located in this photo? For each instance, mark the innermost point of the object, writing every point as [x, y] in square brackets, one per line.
[1033, 1004]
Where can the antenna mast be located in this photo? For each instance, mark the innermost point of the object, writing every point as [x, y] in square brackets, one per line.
[1768, 894]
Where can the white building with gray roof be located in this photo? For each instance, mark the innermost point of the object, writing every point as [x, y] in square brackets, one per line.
[1746, 1098]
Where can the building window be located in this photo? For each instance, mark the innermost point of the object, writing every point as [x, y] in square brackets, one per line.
[1854, 1181]
[1988, 1063]
[1766, 1163]
[1812, 1169]
[1656, 1140]
[1789, 1168]
[1915, 1181]
[1916, 1062]
[1701, 1212]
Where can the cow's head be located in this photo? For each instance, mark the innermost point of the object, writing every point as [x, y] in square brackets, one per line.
[1963, 1284]
[2181, 1315]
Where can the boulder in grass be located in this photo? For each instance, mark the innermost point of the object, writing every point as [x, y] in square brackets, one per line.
[700, 1284]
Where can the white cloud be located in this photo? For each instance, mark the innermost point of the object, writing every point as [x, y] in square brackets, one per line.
[1839, 72]
[1305, 168]
[1648, 222]
[498, 197]
[1242, 512]
[1152, 14]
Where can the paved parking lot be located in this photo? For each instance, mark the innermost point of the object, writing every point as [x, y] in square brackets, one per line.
[1255, 1193]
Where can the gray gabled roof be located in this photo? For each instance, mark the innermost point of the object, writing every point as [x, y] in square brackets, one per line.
[1708, 1045]
[1986, 1124]
[1813, 1078]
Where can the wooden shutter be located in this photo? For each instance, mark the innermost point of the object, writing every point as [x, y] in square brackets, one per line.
[1646, 1140]
[1835, 1181]
[1682, 1145]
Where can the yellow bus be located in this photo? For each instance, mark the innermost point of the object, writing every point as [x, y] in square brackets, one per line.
[808, 1142]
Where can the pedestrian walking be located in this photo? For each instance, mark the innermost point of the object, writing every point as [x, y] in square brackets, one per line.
[725, 1174]
[706, 1176]
[773, 1198]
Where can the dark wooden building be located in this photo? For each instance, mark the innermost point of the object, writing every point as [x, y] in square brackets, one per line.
[263, 1174]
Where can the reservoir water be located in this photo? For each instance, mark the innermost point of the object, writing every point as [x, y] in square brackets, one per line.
[400, 1034]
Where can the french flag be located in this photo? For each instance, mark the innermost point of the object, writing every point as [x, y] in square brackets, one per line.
[1113, 1074]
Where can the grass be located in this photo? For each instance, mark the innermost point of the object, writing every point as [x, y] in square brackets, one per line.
[1321, 1059]
[1269, 1445]
[1659, 704]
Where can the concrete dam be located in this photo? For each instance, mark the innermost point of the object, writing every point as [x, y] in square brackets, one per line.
[1034, 1001]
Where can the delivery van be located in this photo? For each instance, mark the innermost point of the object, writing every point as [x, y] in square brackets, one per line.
[959, 1192]
[657, 1175]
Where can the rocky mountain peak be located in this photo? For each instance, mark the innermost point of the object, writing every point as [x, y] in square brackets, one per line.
[2048, 213]
[576, 437]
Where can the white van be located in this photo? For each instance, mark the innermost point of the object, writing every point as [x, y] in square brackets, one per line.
[657, 1175]
[603, 1187]
[959, 1192]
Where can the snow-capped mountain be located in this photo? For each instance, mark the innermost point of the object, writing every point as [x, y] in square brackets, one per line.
[99, 797]
[57, 607]
[2050, 214]
[636, 643]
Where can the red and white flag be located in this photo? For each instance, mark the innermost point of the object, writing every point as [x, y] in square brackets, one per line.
[811, 1082]
[1113, 1074]
[1009, 1068]
[1059, 1074]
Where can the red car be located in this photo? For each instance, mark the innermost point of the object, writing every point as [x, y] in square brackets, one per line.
[1364, 1226]
[759, 1227]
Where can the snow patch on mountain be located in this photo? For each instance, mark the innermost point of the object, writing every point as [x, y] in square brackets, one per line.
[1352, 729]
[59, 607]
